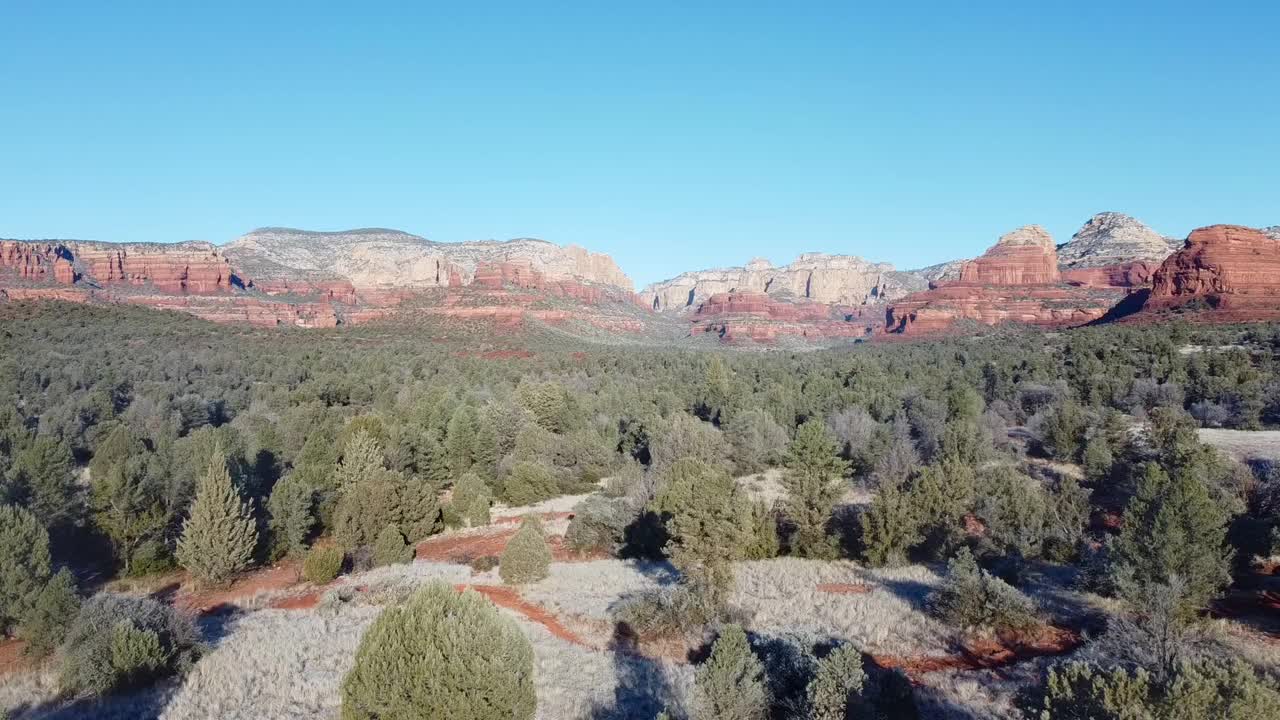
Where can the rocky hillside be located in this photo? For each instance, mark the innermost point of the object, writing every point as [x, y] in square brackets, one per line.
[1112, 238]
[1017, 280]
[813, 277]
[390, 258]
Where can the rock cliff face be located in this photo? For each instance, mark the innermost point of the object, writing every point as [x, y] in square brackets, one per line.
[1222, 273]
[389, 258]
[758, 317]
[291, 277]
[1023, 257]
[1017, 281]
[813, 277]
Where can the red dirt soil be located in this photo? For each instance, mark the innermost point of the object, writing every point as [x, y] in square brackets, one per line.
[508, 598]
[279, 577]
[461, 549]
[11, 657]
[987, 654]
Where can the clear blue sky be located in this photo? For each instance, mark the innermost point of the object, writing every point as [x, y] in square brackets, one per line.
[671, 136]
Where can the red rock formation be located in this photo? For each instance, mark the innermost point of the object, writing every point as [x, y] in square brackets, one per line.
[1025, 256]
[758, 317]
[1127, 275]
[1016, 281]
[195, 268]
[37, 262]
[1229, 272]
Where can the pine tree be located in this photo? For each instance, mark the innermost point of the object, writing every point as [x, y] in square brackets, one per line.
[1174, 527]
[361, 458]
[292, 508]
[471, 500]
[814, 481]
[45, 624]
[890, 527]
[41, 480]
[527, 557]
[24, 564]
[702, 509]
[730, 684]
[837, 685]
[219, 535]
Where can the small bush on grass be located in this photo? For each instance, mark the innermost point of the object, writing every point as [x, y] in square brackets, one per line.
[975, 600]
[391, 549]
[119, 642]
[527, 558]
[529, 483]
[669, 611]
[55, 608]
[322, 564]
[441, 654]
[730, 684]
[837, 686]
[599, 524]
[484, 564]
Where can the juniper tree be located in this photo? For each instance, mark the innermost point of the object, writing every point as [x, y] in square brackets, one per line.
[702, 509]
[441, 654]
[41, 480]
[361, 458]
[390, 548]
[837, 685]
[814, 481]
[529, 483]
[292, 508]
[527, 557]
[1173, 527]
[470, 501]
[24, 564]
[890, 527]
[219, 536]
[730, 684]
[52, 610]
[973, 599]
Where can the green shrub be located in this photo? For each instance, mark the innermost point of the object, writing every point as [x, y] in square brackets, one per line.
[730, 684]
[485, 563]
[837, 685]
[761, 541]
[530, 483]
[973, 599]
[599, 523]
[119, 642]
[391, 549]
[527, 558]
[322, 564]
[1210, 690]
[152, 557]
[469, 504]
[24, 564]
[671, 611]
[45, 624]
[441, 654]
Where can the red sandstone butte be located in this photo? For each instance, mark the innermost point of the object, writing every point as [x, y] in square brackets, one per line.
[758, 317]
[1233, 271]
[1016, 281]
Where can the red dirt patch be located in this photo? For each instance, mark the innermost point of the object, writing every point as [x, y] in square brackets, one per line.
[462, 549]
[280, 577]
[11, 657]
[987, 654]
[508, 598]
[845, 588]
